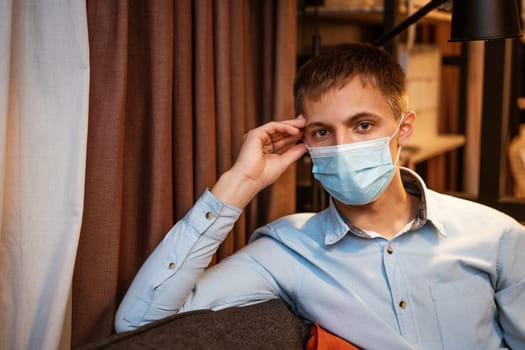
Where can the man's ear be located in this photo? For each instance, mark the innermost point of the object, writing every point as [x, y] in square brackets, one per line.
[406, 128]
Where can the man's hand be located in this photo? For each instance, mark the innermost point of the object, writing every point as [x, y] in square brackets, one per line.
[266, 153]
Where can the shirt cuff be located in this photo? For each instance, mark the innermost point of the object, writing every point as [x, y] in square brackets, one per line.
[209, 216]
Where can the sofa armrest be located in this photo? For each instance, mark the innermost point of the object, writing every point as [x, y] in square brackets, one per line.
[266, 325]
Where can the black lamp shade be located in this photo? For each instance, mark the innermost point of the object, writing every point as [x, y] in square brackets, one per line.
[484, 20]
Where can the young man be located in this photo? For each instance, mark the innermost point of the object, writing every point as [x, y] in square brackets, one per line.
[389, 265]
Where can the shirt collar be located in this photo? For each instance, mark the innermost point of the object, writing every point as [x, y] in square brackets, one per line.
[337, 227]
[427, 211]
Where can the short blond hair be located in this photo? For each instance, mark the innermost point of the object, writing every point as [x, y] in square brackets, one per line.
[334, 67]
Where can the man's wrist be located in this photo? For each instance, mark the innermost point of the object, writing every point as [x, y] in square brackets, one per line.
[235, 189]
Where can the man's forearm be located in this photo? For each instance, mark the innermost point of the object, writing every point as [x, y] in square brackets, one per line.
[172, 270]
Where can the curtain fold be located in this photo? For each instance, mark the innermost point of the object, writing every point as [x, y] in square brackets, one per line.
[44, 82]
[174, 87]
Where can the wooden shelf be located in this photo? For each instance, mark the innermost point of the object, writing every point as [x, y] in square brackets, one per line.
[434, 146]
[521, 103]
[373, 15]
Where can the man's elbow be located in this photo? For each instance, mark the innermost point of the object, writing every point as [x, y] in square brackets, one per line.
[137, 313]
[122, 324]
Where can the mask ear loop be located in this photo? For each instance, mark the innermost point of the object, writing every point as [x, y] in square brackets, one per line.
[396, 162]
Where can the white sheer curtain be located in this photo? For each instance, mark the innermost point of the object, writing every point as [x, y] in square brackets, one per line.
[44, 84]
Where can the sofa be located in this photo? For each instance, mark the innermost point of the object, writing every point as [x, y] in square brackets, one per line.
[266, 325]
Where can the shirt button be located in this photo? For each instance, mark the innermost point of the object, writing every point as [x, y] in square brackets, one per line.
[389, 249]
[171, 265]
[209, 215]
[403, 304]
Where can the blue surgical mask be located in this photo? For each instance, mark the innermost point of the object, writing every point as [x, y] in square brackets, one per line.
[355, 173]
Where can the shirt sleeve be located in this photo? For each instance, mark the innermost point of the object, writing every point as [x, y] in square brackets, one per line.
[510, 288]
[170, 273]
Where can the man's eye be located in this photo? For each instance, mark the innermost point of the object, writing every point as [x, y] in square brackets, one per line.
[320, 133]
[364, 126]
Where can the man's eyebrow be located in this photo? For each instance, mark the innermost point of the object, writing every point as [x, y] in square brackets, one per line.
[361, 115]
[349, 120]
[315, 124]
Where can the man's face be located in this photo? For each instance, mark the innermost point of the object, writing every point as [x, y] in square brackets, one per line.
[356, 112]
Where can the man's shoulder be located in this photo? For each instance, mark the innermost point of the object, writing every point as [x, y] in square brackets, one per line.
[294, 229]
[452, 209]
[458, 204]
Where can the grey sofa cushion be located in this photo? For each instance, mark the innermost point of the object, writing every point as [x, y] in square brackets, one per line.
[267, 325]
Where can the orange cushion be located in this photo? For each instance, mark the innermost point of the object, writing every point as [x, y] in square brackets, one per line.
[321, 339]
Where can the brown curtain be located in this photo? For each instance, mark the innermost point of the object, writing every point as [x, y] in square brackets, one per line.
[174, 86]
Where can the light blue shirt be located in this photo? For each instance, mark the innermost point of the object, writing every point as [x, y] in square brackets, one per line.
[454, 278]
